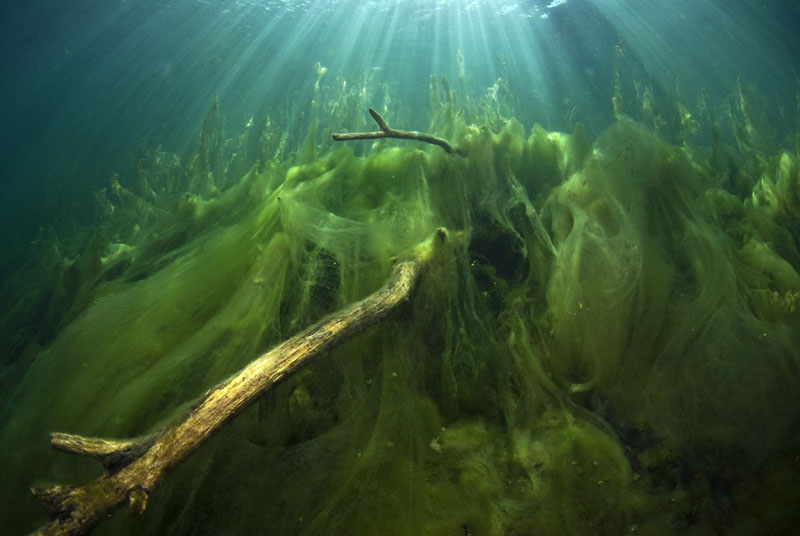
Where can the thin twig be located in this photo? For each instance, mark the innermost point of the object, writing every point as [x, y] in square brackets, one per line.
[387, 132]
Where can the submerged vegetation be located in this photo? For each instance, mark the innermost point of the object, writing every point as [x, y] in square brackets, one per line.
[611, 346]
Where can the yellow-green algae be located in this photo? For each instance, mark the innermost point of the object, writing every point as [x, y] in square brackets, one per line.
[611, 347]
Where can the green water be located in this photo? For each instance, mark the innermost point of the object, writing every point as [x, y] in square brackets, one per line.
[609, 342]
[610, 346]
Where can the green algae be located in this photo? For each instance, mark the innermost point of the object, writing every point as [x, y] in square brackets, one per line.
[610, 344]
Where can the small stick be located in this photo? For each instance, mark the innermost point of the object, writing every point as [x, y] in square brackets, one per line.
[387, 132]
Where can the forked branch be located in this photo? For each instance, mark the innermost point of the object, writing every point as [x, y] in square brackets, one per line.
[387, 132]
[134, 467]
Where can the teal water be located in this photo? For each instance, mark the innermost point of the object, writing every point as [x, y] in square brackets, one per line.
[82, 84]
[104, 331]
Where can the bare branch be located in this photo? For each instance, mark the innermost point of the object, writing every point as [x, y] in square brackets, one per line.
[113, 454]
[135, 466]
[387, 132]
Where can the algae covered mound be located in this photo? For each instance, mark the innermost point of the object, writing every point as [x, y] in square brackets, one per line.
[610, 346]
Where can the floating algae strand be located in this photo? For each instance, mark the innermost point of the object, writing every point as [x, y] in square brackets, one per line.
[610, 345]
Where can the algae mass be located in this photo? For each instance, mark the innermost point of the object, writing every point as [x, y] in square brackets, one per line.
[609, 346]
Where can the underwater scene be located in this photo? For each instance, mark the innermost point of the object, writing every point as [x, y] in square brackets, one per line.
[400, 267]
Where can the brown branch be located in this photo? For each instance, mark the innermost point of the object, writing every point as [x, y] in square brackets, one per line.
[387, 132]
[134, 467]
[113, 454]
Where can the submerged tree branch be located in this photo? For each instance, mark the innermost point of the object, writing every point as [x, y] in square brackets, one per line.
[134, 467]
[387, 132]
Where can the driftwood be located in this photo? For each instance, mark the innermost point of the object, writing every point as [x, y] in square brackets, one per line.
[387, 132]
[134, 467]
